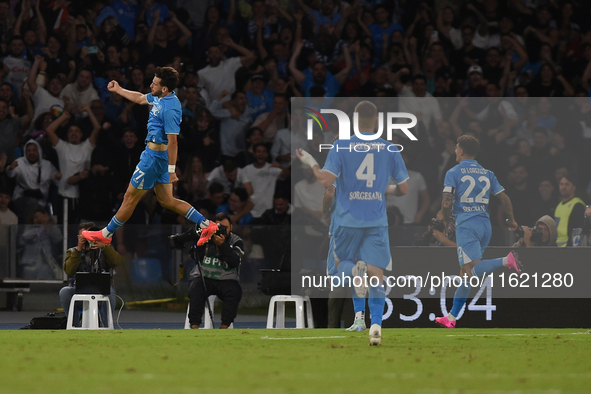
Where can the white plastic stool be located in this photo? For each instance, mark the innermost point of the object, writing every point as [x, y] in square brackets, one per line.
[207, 323]
[300, 301]
[90, 312]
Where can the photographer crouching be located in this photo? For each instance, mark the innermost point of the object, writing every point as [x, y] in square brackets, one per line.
[542, 234]
[437, 234]
[88, 258]
[219, 259]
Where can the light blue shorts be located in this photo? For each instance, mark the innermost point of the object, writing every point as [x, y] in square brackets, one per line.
[371, 245]
[152, 169]
[472, 237]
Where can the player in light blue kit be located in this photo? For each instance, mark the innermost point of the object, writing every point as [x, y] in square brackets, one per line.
[362, 170]
[157, 165]
[468, 185]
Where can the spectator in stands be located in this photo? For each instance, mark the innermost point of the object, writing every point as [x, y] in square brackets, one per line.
[38, 245]
[81, 93]
[546, 199]
[279, 214]
[218, 76]
[230, 176]
[254, 136]
[126, 158]
[7, 217]
[194, 181]
[18, 66]
[278, 118]
[417, 193]
[238, 206]
[234, 118]
[11, 128]
[319, 75]
[569, 213]
[259, 97]
[261, 178]
[308, 194]
[74, 157]
[33, 176]
[44, 99]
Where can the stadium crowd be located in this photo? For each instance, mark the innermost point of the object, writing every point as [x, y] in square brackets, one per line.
[494, 69]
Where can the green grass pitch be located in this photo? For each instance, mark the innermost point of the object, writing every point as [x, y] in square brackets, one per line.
[296, 361]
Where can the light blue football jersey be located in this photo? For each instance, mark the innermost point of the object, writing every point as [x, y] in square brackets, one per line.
[471, 185]
[362, 178]
[165, 118]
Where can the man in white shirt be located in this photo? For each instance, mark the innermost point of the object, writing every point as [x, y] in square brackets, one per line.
[308, 193]
[73, 155]
[19, 67]
[219, 74]
[409, 203]
[416, 100]
[262, 178]
[7, 217]
[278, 118]
[229, 176]
[81, 92]
[44, 99]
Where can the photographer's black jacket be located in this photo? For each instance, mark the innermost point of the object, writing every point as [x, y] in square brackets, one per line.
[219, 262]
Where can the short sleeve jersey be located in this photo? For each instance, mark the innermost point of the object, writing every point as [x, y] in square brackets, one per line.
[471, 185]
[363, 170]
[165, 118]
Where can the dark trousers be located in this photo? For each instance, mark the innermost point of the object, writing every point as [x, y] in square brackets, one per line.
[229, 291]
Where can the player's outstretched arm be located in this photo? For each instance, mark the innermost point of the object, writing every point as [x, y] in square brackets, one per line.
[135, 97]
[508, 208]
[324, 177]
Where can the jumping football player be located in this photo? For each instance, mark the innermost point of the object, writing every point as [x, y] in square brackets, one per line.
[157, 165]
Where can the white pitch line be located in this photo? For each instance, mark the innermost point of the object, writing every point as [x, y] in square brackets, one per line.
[336, 336]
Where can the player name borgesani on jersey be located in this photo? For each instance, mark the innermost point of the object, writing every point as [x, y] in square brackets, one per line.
[357, 195]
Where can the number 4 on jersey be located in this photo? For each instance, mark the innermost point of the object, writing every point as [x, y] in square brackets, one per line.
[365, 172]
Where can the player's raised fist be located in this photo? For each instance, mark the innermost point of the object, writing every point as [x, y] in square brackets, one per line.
[113, 86]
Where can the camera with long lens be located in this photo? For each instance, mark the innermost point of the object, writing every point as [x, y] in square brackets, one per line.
[222, 230]
[536, 234]
[427, 238]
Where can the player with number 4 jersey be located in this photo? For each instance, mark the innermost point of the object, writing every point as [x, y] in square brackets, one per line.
[467, 189]
[362, 170]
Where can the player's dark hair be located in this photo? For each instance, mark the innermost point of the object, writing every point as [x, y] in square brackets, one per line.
[469, 145]
[169, 77]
